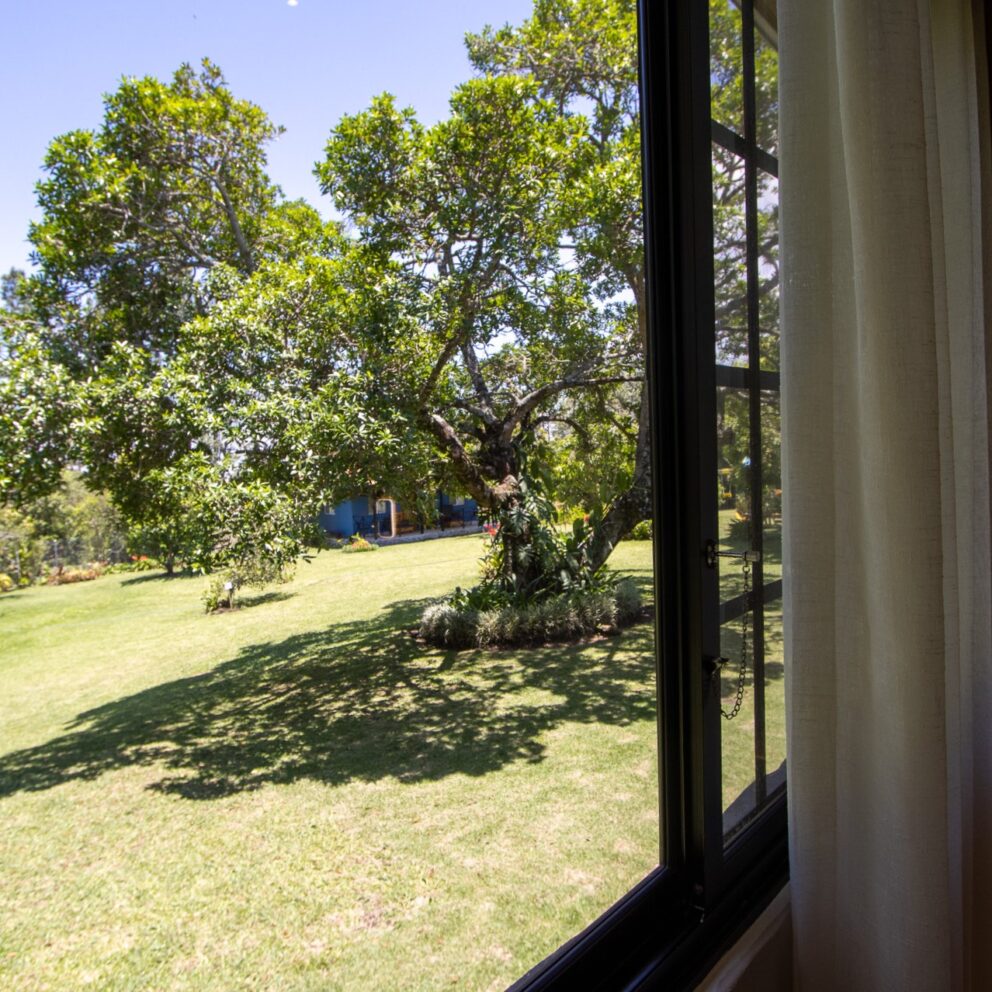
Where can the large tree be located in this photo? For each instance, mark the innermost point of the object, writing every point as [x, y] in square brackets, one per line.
[137, 217]
[471, 214]
[582, 55]
[485, 304]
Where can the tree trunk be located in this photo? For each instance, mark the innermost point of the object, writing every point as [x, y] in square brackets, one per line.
[496, 459]
[630, 507]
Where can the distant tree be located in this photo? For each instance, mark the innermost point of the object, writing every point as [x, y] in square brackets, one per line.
[79, 524]
[69, 525]
[146, 222]
[37, 404]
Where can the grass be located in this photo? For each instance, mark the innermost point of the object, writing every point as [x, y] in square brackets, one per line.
[298, 796]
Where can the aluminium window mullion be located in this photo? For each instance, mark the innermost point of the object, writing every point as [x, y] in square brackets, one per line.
[739, 377]
[733, 142]
[732, 609]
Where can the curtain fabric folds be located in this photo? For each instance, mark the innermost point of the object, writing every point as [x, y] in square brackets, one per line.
[884, 174]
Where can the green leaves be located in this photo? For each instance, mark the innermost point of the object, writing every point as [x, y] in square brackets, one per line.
[38, 405]
[469, 195]
[369, 170]
[582, 57]
[172, 184]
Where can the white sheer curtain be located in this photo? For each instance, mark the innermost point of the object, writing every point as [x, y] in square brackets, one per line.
[886, 462]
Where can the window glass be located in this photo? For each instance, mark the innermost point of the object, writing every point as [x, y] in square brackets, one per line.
[771, 498]
[748, 529]
[766, 88]
[733, 487]
[768, 269]
[726, 65]
[730, 257]
[774, 696]
[738, 726]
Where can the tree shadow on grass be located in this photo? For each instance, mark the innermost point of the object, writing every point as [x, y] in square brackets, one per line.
[157, 576]
[358, 701]
[261, 598]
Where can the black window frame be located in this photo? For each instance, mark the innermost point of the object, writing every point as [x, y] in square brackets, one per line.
[756, 382]
[670, 929]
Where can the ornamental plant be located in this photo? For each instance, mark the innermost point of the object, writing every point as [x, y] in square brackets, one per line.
[359, 544]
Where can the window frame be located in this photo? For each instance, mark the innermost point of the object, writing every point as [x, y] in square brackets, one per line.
[756, 381]
[676, 923]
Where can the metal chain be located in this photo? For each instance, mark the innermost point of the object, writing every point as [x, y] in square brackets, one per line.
[742, 674]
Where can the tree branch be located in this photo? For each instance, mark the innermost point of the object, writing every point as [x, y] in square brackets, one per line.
[468, 472]
[479, 382]
[527, 404]
[239, 235]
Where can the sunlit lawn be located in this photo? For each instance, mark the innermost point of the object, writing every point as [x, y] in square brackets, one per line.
[298, 796]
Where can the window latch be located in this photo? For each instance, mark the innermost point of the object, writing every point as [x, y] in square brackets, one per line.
[712, 666]
[712, 554]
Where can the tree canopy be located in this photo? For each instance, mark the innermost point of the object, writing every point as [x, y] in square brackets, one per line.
[223, 362]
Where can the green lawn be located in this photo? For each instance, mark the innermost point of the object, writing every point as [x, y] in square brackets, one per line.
[298, 796]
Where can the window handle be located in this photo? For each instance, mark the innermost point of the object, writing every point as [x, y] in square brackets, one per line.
[712, 554]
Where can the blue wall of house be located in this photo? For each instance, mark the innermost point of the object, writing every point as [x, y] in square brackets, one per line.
[354, 516]
[345, 518]
[467, 511]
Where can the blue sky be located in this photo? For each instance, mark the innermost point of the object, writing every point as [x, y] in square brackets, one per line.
[306, 65]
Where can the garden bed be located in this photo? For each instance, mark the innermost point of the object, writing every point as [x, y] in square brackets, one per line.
[563, 619]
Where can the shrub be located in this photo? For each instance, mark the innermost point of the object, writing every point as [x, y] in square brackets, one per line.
[258, 572]
[740, 528]
[219, 594]
[6, 582]
[477, 619]
[528, 556]
[67, 576]
[448, 626]
[481, 597]
[643, 531]
[137, 563]
[559, 618]
[598, 609]
[628, 600]
[360, 544]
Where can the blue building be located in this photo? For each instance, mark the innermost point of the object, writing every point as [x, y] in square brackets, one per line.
[385, 517]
